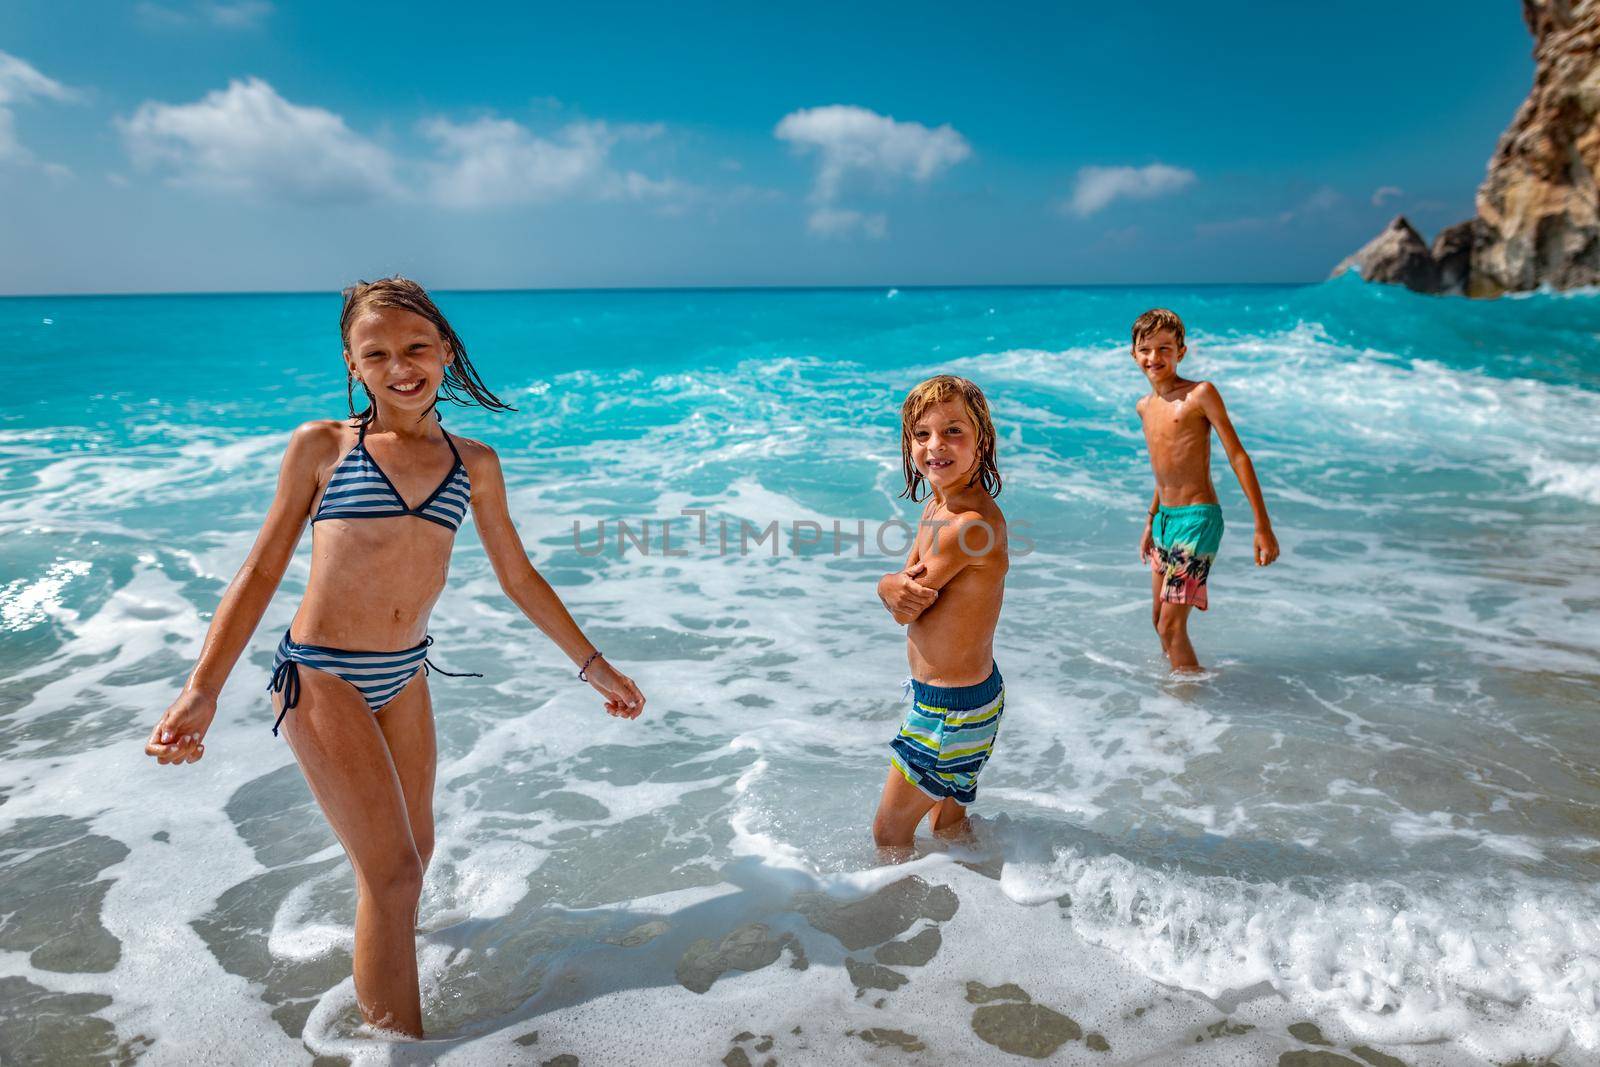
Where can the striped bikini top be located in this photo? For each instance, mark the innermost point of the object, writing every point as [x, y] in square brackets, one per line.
[358, 489]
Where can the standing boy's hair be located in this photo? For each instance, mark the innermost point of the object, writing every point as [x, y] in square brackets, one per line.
[937, 390]
[461, 383]
[1155, 320]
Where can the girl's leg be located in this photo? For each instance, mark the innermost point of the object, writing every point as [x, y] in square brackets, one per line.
[346, 762]
[1174, 628]
[407, 725]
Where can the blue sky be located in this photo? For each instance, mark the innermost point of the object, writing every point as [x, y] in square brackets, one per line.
[198, 145]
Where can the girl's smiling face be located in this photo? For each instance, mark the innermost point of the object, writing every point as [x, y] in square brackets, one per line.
[944, 445]
[399, 356]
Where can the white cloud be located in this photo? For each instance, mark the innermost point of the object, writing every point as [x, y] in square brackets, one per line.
[21, 83]
[490, 162]
[247, 139]
[1324, 199]
[1099, 186]
[235, 15]
[20, 80]
[853, 141]
[831, 222]
[1386, 193]
[247, 14]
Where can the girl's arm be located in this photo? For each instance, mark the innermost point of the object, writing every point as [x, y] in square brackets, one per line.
[528, 590]
[178, 737]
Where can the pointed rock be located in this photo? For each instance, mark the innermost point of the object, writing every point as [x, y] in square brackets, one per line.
[1452, 254]
[1397, 256]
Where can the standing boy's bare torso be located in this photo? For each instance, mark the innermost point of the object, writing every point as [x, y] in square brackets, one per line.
[952, 642]
[1178, 434]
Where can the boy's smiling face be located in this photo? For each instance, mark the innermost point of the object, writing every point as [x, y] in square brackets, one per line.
[1157, 353]
[944, 445]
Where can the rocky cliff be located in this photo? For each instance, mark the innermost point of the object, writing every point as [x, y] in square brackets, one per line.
[1538, 210]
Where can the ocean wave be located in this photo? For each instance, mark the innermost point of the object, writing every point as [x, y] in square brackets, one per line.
[1500, 966]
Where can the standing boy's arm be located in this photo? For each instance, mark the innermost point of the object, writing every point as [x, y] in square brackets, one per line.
[1148, 538]
[1265, 547]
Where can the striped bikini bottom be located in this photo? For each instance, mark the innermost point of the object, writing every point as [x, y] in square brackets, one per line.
[377, 676]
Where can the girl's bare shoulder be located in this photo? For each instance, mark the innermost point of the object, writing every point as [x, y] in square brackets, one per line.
[318, 440]
[476, 456]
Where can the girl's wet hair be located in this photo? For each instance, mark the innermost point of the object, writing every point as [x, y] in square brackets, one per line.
[461, 383]
[937, 390]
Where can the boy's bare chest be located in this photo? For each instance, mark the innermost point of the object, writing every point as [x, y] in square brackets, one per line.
[1174, 422]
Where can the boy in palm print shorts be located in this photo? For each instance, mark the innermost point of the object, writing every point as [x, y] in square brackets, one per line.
[1185, 529]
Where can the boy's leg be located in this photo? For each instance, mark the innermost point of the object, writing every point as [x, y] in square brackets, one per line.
[1157, 580]
[1172, 623]
[948, 818]
[902, 806]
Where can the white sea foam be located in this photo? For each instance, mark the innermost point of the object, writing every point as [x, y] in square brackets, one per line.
[25, 604]
[1581, 481]
[1394, 963]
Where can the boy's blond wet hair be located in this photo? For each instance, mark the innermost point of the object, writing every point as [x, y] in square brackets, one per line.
[1154, 321]
[937, 390]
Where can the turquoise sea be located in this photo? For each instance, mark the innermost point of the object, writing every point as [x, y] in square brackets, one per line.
[1374, 823]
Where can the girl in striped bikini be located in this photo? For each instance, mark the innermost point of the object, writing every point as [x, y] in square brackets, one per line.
[356, 714]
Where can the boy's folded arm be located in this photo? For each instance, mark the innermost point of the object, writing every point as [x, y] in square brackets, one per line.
[904, 575]
[957, 545]
[914, 557]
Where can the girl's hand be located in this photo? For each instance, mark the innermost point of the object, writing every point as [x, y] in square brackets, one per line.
[179, 736]
[623, 698]
[1147, 543]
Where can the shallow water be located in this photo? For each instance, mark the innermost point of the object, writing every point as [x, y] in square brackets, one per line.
[1378, 813]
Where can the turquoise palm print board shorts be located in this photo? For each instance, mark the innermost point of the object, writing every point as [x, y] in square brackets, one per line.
[1187, 540]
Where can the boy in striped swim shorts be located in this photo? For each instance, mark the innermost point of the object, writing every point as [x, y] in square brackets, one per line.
[948, 597]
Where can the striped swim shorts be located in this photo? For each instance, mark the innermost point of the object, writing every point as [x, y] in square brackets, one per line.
[947, 736]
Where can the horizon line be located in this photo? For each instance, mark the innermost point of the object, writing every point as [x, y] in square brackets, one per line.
[134, 294]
